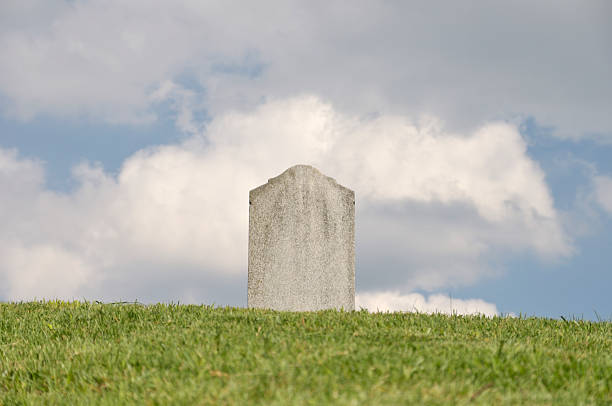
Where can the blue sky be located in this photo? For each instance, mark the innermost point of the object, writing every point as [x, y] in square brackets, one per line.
[477, 137]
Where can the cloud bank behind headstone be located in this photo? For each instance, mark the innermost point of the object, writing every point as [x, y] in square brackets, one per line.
[432, 207]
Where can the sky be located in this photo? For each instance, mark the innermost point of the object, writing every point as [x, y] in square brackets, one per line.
[476, 135]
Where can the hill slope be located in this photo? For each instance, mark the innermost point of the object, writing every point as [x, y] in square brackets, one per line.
[82, 353]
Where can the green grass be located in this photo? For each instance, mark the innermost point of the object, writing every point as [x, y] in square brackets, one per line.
[85, 353]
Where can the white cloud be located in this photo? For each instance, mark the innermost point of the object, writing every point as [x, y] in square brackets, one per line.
[603, 192]
[44, 270]
[432, 206]
[414, 302]
[466, 63]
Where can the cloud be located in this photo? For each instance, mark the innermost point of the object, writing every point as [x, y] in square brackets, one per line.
[414, 302]
[469, 64]
[603, 192]
[433, 208]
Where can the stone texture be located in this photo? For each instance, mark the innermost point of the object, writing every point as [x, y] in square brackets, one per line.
[301, 243]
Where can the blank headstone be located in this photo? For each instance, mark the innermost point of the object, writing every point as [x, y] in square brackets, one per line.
[301, 243]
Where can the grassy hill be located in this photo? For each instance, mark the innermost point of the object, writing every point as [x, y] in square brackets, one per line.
[85, 353]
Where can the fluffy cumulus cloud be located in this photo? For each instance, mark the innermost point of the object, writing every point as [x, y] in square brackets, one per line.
[415, 302]
[432, 206]
[469, 63]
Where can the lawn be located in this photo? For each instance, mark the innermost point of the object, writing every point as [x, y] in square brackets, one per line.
[88, 353]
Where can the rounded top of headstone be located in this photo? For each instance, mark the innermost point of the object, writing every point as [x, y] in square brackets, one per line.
[301, 170]
[297, 174]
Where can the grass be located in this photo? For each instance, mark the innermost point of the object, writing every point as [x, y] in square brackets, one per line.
[87, 353]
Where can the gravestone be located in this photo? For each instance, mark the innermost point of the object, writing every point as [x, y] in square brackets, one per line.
[301, 243]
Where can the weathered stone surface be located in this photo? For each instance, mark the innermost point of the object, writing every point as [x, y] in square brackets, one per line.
[301, 243]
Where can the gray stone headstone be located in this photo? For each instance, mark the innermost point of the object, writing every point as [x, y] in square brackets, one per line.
[301, 243]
